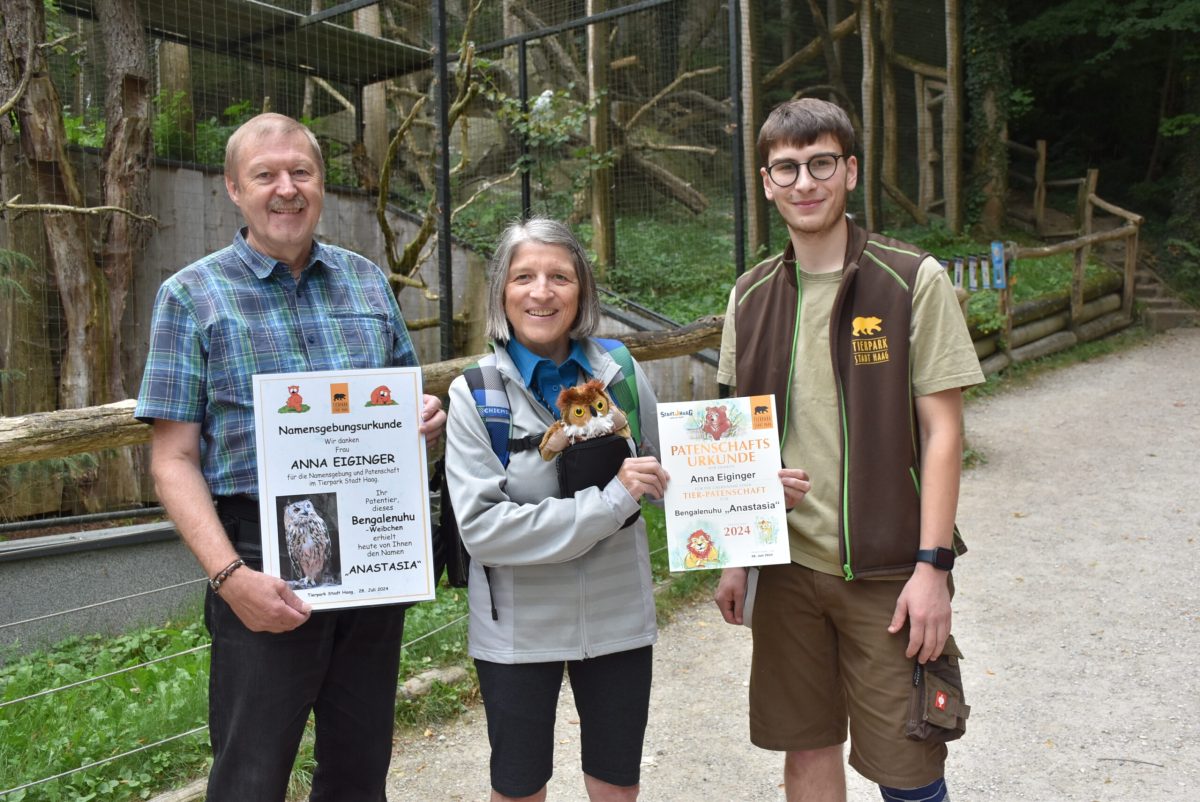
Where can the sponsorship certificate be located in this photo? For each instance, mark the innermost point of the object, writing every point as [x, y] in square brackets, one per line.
[343, 486]
[724, 503]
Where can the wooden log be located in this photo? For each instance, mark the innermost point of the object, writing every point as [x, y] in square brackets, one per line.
[1045, 346]
[918, 67]
[46, 435]
[1044, 327]
[810, 51]
[1046, 305]
[1075, 244]
[192, 792]
[1112, 208]
[1101, 326]
[995, 363]
[1102, 305]
[985, 346]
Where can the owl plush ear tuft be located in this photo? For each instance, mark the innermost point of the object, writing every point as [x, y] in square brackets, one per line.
[586, 411]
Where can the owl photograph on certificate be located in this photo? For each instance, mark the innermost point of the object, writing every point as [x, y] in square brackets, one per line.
[308, 540]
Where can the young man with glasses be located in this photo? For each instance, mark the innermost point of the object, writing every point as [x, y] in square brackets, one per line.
[862, 341]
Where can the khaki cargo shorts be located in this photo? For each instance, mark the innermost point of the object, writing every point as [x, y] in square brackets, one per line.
[823, 657]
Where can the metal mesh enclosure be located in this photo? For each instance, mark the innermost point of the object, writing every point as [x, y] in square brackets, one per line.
[618, 117]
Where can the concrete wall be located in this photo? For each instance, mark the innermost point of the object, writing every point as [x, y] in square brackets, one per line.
[49, 575]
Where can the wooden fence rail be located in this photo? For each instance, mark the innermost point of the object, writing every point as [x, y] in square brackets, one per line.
[50, 435]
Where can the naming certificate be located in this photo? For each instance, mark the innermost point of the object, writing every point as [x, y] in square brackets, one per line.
[343, 487]
[724, 503]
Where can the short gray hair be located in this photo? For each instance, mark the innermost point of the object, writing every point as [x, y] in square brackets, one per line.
[262, 126]
[545, 231]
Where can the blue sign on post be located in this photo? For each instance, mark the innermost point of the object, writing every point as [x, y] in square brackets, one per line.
[998, 277]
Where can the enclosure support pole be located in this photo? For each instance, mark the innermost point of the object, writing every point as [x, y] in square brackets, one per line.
[445, 268]
[523, 96]
[737, 156]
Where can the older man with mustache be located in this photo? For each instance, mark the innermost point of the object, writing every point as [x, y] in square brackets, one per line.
[274, 301]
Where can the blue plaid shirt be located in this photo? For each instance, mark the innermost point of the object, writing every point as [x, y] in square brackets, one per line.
[236, 313]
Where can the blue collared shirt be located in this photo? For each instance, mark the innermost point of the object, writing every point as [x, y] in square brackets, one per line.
[546, 379]
[236, 313]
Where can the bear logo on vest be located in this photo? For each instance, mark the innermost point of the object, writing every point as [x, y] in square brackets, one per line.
[868, 350]
[865, 325]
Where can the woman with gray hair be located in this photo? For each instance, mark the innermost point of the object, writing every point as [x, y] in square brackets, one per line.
[558, 576]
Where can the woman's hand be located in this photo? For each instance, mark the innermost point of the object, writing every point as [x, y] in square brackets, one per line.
[641, 475]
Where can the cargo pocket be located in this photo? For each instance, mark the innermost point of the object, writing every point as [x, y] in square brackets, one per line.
[937, 710]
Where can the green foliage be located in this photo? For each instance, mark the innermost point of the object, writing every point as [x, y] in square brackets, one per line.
[67, 729]
[1020, 103]
[174, 138]
[13, 267]
[678, 264]
[1181, 267]
[85, 130]
[554, 129]
[1179, 125]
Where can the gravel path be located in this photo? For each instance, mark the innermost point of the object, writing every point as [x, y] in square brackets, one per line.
[1078, 608]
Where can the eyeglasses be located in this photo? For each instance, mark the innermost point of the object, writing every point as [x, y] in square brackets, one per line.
[821, 167]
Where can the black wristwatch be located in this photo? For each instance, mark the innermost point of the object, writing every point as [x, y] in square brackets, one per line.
[938, 558]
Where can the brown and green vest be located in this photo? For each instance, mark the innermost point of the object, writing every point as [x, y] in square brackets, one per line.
[879, 517]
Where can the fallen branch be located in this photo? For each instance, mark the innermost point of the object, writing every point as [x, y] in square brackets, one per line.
[56, 208]
[666, 90]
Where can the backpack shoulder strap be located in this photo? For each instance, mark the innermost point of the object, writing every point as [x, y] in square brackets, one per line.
[625, 387]
[491, 401]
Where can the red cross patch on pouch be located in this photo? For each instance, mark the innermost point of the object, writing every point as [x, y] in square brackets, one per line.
[939, 700]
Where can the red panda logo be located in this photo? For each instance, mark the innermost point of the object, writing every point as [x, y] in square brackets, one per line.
[381, 396]
[295, 401]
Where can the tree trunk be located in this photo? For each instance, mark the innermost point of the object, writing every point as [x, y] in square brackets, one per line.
[175, 91]
[374, 98]
[128, 155]
[868, 173]
[988, 85]
[81, 283]
[1184, 223]
[758, 210]
[604, 232]
[952, 121]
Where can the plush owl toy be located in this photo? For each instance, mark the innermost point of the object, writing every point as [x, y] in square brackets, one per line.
[587, 412]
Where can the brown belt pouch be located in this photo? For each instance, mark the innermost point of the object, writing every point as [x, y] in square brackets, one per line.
[937, 710]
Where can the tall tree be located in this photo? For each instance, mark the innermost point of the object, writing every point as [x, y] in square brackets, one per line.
[988, 82]
[128, 153]
[92, 280]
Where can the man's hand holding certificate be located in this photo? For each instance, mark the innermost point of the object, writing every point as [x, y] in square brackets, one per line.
[725, 504]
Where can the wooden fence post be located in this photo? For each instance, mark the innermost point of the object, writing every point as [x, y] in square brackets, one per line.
[1087, 191]
[1039, 189]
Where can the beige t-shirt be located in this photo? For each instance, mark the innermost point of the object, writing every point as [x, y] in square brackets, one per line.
[942, 356]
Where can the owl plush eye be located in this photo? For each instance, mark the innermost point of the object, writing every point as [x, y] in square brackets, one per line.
[578, 412]
[601, 406]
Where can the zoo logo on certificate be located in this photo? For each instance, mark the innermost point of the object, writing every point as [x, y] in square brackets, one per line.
[724, 503]
[343, 488]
